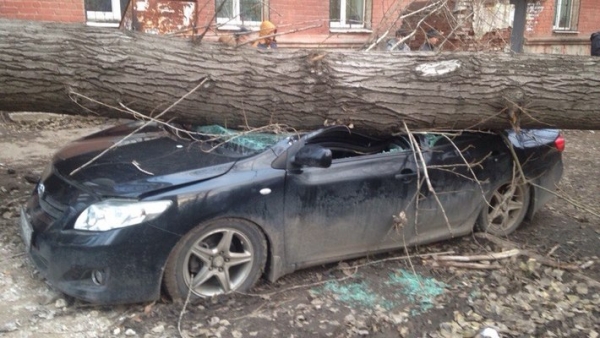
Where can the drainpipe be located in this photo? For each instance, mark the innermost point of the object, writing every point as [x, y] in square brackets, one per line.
[517, 35]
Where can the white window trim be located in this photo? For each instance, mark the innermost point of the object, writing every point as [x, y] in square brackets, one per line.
[350, 30]
[102, 24]
[558, 8]
[98, 17]
[334, 25]
[233, 23]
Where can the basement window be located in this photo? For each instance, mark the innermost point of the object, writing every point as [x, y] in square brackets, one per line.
[235, 13]
[350, 14]
[104, 13]
[566, 15]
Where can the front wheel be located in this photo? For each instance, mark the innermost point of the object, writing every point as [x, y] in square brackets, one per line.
[216, 258]
[505, 210]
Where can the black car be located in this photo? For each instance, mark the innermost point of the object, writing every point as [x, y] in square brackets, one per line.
[213, 210]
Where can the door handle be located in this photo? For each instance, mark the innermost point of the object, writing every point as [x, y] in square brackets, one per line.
[406, 175]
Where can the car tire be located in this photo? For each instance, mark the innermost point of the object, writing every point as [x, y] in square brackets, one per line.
[217, 257]
[506, 209]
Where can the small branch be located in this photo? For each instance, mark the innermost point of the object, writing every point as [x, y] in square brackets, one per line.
[251, 314]
[590, 280]
[138, 129]
[21, 254]
[217, 11]
[433, 254]
[427, 180]
[541, 259]
[465, 265]
[185, 304]
[439, 4]
[487, 257]
[568, 199]
[552, 250]
[278, 34]
[137, 165]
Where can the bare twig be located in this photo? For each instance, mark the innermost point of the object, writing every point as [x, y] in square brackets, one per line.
[539, 258]
[428, 181]
[552, 250]
[278, 34]
[463, 265]
[487, 257]
[439, 5]
[138, 129]
[21, 254]
[433, 254]
[568, 199]
[137, 165]
[251, 314]
[185, 304]
[217, 11]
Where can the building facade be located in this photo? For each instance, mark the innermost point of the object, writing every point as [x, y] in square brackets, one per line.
[561, 26]
[552, 26]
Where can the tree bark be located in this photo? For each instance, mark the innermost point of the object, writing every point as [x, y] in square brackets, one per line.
[47, 67]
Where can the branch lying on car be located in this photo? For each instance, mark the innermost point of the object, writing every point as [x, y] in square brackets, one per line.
[138, 129]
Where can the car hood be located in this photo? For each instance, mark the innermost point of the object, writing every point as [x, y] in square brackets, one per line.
[149, 160]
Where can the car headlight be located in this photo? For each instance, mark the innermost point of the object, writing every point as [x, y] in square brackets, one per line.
[112, 214]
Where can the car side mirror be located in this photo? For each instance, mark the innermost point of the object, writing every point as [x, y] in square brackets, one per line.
[313, 155]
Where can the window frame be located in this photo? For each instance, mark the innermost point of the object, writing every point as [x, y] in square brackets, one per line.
[342, 25]
[105, 19]
[573, 17]
[235, 22]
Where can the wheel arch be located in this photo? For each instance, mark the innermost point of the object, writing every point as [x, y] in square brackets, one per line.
[532, 208]
[268, 266]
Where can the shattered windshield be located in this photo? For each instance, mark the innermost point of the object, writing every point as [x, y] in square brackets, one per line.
[242, 143]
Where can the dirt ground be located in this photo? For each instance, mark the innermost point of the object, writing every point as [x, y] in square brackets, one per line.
[377, 296]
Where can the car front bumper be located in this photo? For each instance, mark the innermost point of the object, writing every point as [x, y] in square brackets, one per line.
[118, 266]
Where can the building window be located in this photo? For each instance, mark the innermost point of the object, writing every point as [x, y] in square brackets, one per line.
[240, 12]
[349, 14]
[566, 15]
[105, 13]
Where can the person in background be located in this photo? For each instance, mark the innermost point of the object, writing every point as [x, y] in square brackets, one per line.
[595, 41]
[393, 45]
[266, 28]
[241, 35]
[433, 38]
[227, 39]
[236, 38]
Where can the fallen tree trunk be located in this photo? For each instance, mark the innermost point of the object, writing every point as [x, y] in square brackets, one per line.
[50, 67]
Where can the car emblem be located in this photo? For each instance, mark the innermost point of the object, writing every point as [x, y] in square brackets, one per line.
[265, 191]
[41, 188]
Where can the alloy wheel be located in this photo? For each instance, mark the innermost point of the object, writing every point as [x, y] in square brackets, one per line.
[507, 208]
[218, 262]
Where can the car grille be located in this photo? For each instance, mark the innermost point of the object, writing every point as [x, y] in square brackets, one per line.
[52, 207]
[51, 201]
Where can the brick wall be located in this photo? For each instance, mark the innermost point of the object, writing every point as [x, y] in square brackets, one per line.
[541, 37]
[43, 10]
[589, 17]
[290, 15]
[540, 18]
[297, 14]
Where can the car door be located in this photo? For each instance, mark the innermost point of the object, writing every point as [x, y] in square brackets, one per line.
[452, 210]
[348, 208]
